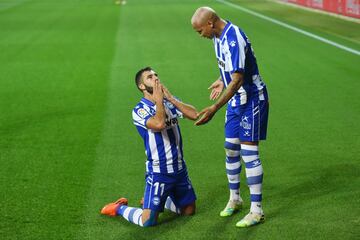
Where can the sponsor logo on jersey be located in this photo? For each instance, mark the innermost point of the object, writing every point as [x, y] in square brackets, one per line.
[171, 122]
[221, 63]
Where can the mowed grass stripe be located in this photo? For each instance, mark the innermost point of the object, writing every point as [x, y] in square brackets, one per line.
[8, 4]
[53, 88]
[105, 184]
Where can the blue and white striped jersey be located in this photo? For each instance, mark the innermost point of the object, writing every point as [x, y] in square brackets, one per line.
[163, 148]
[234, 53]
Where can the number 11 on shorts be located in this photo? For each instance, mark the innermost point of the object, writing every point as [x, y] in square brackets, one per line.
[162, 186]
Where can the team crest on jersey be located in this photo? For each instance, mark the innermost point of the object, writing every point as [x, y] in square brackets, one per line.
[232, 43]
[156, 201]
[142, 113]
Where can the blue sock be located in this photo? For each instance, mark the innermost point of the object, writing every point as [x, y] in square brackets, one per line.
[254, 175]
[233, 167]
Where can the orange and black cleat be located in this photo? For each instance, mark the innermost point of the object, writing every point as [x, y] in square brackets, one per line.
[112, 208]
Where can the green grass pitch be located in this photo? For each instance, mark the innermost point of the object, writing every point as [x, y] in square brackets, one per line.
[68, 145]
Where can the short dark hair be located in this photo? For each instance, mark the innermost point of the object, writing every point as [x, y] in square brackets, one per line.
[138, 76]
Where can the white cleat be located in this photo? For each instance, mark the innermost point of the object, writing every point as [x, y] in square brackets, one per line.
[251, 219]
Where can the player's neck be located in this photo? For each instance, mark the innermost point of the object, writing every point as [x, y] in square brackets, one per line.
[219, 27]
[149, 97]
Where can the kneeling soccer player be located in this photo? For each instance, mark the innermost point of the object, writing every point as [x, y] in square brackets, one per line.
[167, 183]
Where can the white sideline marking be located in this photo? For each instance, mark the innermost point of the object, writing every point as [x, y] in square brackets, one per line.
[291, 27]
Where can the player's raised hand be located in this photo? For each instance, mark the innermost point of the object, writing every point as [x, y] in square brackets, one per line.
[216, 89]
[206, 115]
[167, 93]
[158, 94]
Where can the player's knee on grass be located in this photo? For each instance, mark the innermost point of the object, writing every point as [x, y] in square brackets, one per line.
[149, 217]
[188, 210]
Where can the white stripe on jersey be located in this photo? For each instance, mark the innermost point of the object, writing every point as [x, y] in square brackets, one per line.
[169, 156]
[242, 45]
[154, 152]
[260, 85]
[138, 121]
[180, 160]
[137, 124]
[225, 51]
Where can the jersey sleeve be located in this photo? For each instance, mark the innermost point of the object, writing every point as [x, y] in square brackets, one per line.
[174, 110]
[237, 48]
[178, 113]
[141, 116]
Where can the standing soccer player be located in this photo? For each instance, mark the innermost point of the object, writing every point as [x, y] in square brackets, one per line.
[167, 183]
[247, 108]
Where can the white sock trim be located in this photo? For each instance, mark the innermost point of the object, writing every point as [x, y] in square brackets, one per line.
[249, 147]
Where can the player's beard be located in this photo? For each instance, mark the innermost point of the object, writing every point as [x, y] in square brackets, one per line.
[149, 89]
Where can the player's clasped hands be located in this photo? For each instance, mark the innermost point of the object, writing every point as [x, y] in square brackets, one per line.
[158, 93]
[167, 93]
[206, 115]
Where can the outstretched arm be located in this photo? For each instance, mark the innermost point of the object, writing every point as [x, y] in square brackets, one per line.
[207, 113]
[187, 110]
